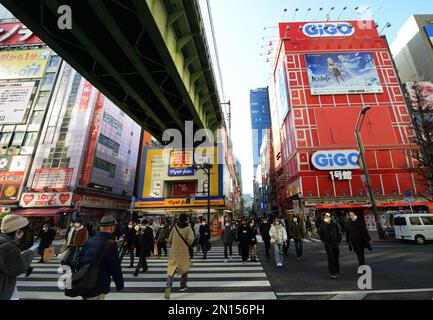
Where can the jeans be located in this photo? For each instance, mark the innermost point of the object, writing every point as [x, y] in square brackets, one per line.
[278, 249]
[162, 246]
[333, 253]
[228, 247]
[131, 254]
[183, 280]
[299, 248]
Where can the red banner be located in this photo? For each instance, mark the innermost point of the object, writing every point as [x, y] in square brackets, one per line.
[16, 33]
[85, 97]
[93, 139]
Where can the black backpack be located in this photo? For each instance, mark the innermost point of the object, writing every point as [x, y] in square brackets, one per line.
[85, 278]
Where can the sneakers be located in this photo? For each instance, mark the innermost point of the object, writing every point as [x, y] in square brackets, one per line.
[167, 293]
[135, 274]
[183, 289]
[244, 262]
[225, 260]
[279, 265]
[333, 276]
[231, 257]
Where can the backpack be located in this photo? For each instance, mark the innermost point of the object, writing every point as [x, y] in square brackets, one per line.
[85, 278]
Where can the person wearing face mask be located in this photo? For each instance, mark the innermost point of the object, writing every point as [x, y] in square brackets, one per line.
[331, 238]
[197, 235]
[253, 244]
[145, 245]
[264, 231]
[357, 237]
[162, 238]
[47, 236]
[228, 237]
[204, 239]
[297, 231]
[13, 262]
[79, 235]
[244, 239]
[129, 244]
[278, 236]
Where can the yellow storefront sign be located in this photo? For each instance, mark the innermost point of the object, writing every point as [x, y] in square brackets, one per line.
[174, 203]
[23, 64]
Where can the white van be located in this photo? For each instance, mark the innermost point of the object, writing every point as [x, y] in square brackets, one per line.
[416, 227]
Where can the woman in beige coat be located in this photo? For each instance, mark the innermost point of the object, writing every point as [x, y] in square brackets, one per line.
[181, 239]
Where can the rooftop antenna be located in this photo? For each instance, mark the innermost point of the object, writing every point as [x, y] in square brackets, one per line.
[284, 15]
[308, 12]
[328, 16]
[320, 11]
[294, 16]
[355, 10]
[388, 25]
[344, 9]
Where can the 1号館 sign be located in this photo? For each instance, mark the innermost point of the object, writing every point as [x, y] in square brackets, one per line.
[336, 160]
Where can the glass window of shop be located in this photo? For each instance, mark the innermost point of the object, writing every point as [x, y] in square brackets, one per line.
[49, 79]
[5, 138]
[36, 117]
[54, 62]
[30, 139]
[42, 101]
[18, 138]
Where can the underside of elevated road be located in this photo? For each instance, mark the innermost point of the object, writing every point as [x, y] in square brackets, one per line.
[150, 57]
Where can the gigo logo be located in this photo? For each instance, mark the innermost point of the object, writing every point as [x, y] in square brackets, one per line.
[341, 29]
[336, 160]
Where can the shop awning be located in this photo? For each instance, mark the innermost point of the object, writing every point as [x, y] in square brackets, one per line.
[42, 212]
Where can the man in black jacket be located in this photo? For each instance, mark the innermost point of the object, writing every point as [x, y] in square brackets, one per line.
[110, 265]
[129, 244]
[244, 237]
[145, 245]
[47, 236]
[265, 226]
[357, 237]
[331, 237]
[204, 239]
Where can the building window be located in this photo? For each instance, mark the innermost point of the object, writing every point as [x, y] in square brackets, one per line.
[36, 117]
[54, 62]
[132, 133]
[18, 138]
[5, 138]
[49, 79]
[106, 166]
[30, 139]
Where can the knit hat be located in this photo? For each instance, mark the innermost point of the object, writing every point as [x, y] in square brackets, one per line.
[183, 217]
[107, 221]
[78, 220]
[12, 223]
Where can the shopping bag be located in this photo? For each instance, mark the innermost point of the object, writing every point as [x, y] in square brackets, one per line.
[155, 249]
[49, 253]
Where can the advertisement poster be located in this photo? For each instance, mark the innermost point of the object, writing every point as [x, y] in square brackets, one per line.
[342, 73]
[283, 100]
[10, 186]
[15, 33]
[34, 200]
[429, 30]
[23, 64]
[14, 99]
[52, 178]
[181, 164]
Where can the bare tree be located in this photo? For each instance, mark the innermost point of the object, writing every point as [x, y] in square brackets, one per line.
[422, 119]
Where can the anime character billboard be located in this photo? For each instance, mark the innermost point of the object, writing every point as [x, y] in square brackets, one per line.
[342, 73]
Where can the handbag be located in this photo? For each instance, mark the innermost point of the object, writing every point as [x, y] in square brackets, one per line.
[49, 254]
[85, 278]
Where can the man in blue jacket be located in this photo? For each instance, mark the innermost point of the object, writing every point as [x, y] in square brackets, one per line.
[110, 265]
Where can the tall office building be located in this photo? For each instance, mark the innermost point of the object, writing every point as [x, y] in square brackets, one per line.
[260, 120]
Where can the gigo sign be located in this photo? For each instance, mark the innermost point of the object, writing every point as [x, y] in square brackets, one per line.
[336, 160]
[341, 29]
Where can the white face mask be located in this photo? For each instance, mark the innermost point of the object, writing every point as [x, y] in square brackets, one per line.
[203, 223]
[77, 225]
[19, 234]
[265, 221]
[227, 224]
[130, 226]
[277, 223]
[327, 220]
[251, 224]
[137, 227]
[295, 220]
[45, 229]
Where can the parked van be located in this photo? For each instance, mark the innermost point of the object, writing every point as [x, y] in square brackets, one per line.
[415, 227]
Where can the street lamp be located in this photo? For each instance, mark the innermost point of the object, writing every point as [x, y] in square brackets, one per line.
[206, 168]
[358, 127]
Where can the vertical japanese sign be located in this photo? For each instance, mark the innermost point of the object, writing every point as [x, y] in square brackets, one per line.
[85, 97]
[93, 139]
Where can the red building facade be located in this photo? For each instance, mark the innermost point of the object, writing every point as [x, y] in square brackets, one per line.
[324, 74]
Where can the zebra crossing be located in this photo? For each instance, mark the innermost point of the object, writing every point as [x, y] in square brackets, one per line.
[210, 279]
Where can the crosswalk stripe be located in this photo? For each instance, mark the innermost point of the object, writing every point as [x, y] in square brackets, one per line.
[210, 279]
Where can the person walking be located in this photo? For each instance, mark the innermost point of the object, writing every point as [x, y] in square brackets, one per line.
[278, 236]
[244, 239]
[286, 225]
[228, 237]
[297, 231]
[46, 235]
[204, 239]
[197, 234]
[129, 244]
[180, 239]
[357, 237]
[253, 244]
[103, 242]
[78, 235]
[145, 245]
[331, 237]
[13, 262]
[265, 227]
[162, 238]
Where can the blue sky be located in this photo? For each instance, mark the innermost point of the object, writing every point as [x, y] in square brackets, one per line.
[239, 26]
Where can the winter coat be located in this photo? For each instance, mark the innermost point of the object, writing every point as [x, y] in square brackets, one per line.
[278, 234]
[130, 240]
[357, 235]
[254, 235]
[27, 241]
[46, 238]
[245, 235]
[179, 255]
[79, 237]
[163, 234]
[12, 264]
[297, 230]
[197, 230]
[145, 241]
[110, 265]
[204, 233]
[264, 231]
[330, 234]
[227, 235]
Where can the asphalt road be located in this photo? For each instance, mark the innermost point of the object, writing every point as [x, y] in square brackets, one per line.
[395, 266]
